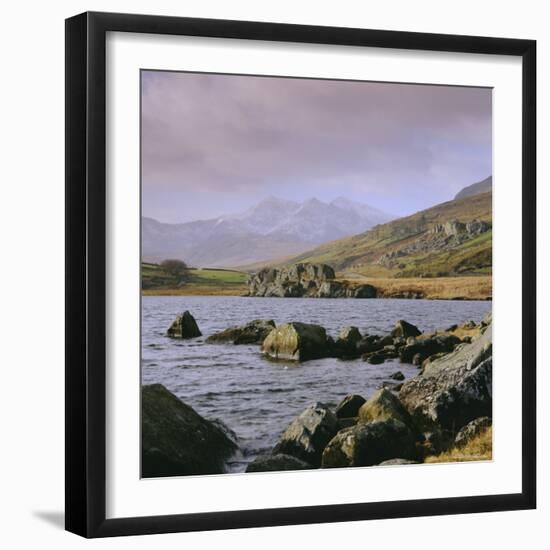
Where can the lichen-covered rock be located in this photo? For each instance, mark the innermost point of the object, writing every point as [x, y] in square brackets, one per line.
[454, 389]
[277, 463]
[184, 326]
[308, 434]
[349, 406]
[254, 332]
[297, 342]
[370, 444]
[176, 440]
[383, 405]
[403, 329]
[471, 430]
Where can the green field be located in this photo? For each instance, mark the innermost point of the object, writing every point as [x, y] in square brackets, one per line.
[155, 281]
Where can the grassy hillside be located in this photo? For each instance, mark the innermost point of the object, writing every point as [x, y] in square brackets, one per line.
[155, 281]
[408, 247]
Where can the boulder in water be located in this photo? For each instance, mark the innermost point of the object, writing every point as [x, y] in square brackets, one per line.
[297, 342]
[254, 332]
[176, 440]
[184, 326]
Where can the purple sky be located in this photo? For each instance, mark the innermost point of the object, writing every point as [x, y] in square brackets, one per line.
[217, 144]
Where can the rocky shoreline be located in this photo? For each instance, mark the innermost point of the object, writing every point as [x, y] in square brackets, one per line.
[447, 404]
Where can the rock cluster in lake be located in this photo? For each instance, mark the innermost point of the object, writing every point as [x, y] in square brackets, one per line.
[305, 281]
[447, 404]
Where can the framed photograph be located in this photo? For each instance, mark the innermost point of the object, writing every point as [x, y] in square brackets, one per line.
[294, 255]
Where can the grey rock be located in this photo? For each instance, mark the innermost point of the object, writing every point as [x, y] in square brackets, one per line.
[254, 332]
[370, 444]
[176, 440]
[349, 406]
[184, 326]
[454, 389]
[277, 463]
[403, 329]
[297, 342]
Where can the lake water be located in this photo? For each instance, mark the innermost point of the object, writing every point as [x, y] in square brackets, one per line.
[256, 397]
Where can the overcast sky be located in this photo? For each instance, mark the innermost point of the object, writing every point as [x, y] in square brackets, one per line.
[217, 144]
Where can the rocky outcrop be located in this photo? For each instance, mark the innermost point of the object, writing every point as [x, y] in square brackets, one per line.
[297, 342]
[184, 326]
[454, 389]
[277, 463]
[308, 434]
[305, 280]
[370, 444]
[254, 332]
[176, 440]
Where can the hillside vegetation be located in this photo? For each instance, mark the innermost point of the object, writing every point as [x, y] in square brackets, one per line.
[155, 281]
[451, 239]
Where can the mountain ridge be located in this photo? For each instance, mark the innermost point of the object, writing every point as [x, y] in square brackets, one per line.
[273, 228]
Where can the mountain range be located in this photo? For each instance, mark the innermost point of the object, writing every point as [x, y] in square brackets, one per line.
[272, 229]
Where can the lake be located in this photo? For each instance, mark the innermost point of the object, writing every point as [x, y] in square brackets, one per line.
[256, 397]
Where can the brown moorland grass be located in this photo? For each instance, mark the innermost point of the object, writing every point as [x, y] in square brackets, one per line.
[479, 448]
[198, 290]
[437, 288]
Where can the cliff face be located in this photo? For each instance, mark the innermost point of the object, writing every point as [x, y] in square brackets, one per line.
[304, 280]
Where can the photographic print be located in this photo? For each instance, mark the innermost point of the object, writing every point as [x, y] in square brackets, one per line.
[316, 273]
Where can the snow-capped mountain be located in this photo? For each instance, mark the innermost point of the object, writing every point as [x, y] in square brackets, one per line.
[274, 228]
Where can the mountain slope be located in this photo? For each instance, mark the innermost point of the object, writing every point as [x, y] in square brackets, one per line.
[482, 186]
[273, 228]
[452, 238]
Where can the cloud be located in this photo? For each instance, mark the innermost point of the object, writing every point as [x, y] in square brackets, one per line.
[212, 134]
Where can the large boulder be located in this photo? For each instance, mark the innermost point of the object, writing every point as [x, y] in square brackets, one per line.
[349, 406]
[370, 444]
[454, 389]
[308, 434]
[297, 342]
[184, 326]
[277, 463]
[383, 405]
[176, 440]
[254, 332]
[403, 329]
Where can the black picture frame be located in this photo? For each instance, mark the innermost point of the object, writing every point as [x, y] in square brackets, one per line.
[86, 269]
